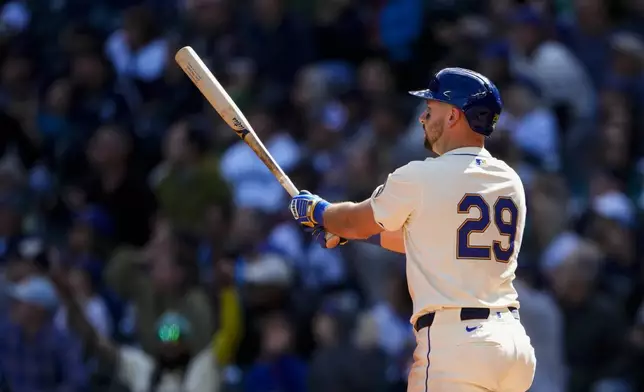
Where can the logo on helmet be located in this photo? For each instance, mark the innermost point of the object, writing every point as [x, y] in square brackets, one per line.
[479, 94]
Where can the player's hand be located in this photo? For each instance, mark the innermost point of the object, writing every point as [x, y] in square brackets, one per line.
[307, 209]
[326, 241]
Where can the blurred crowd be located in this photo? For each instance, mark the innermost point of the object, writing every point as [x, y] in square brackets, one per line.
[144, 247]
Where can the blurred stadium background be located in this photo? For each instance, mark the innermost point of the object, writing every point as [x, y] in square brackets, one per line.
[144, 248]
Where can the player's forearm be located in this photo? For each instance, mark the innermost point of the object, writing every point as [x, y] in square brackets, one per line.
[350, 220]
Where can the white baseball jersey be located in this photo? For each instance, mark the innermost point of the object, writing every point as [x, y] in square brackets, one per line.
[463, 216]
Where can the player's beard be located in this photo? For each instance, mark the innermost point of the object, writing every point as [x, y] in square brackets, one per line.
[432, 132]
[428, 144]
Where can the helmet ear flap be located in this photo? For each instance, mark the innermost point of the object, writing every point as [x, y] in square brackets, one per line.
[481, 119]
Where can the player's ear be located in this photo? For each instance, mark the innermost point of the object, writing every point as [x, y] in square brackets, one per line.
[453, 116]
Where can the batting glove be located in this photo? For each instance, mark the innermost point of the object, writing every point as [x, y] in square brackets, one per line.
[319, 236]
[308, 210]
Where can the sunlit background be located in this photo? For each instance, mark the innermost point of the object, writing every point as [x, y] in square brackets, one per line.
[143, 247]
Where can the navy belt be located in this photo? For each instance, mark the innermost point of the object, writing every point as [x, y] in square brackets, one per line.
[427, 320]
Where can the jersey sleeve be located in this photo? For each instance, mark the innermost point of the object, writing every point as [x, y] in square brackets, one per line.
[395, 200]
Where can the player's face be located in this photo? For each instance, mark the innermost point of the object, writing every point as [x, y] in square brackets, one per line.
[433, 121]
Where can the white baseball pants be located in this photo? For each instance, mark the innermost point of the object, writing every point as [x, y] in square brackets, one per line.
[492, 354]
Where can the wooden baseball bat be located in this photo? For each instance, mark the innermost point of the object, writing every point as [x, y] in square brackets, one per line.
[219, 99]
[214, 92]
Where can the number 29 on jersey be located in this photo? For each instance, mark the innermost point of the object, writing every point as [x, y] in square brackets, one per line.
[504, 214]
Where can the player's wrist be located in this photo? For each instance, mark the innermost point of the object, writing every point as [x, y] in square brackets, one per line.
[318, 211]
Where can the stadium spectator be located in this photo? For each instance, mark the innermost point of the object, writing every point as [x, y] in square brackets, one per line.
[35, 354]
[116, 186]
[170, 366]
[159, 278]
[276, 366]
[93, 305]
[187, 166]
[347, 357]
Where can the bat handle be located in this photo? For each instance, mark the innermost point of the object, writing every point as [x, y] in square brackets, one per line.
[331, 239]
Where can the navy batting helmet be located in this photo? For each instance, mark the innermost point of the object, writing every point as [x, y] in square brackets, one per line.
[469, 91]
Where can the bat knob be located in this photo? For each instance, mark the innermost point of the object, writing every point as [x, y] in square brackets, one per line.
[332, 240]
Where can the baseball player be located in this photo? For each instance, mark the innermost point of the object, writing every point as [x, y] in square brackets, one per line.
[459, 219]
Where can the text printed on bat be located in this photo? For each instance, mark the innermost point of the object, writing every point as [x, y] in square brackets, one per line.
[238, 124]
[192, 73]
[242, 132]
